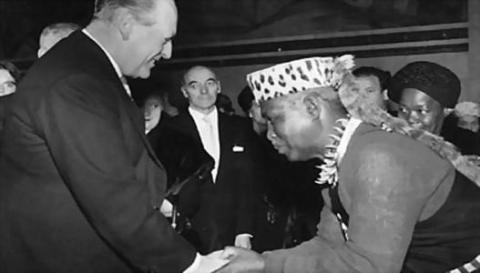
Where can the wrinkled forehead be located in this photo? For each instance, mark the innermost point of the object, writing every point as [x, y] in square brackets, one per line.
[199, 73]
[274, 106]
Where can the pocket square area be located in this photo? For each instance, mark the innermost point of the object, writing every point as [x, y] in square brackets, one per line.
[238, 149]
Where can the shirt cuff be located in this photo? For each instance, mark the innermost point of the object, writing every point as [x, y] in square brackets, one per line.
[194, 266]
[245, 234]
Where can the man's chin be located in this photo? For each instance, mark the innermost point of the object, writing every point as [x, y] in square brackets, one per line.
[292, 156]
[141, 74]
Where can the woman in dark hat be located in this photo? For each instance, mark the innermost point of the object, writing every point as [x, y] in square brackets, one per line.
[427, 93]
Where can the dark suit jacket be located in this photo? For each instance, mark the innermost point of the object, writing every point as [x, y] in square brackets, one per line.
[4, 101]
[79, 181]
[223, 209]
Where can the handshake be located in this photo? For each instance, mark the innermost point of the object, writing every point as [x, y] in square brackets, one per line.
[232, 260]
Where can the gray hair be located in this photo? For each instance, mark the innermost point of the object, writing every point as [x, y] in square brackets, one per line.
[104, 9]
[61, 30]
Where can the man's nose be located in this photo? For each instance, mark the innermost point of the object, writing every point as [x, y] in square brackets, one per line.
[203, 89]
[270, 133]
[412, 117]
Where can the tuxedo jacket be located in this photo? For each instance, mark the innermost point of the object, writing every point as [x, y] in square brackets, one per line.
[79, 183]
[224, 209]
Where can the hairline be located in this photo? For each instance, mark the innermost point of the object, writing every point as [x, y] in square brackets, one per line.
[142, 14]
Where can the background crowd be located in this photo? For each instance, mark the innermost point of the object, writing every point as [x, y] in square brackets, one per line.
[282, 204]
[226, 183]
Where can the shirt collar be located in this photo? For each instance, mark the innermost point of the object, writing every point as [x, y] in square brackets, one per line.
[352, 125]
[110, 58]
[197, 115]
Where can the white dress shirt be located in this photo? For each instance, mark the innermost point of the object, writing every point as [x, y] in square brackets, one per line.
[207, 125]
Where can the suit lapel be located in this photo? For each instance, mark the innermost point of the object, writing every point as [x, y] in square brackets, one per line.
[190, 127]
[224, 137]
[222, 133]
[102, 64]
[136, 118]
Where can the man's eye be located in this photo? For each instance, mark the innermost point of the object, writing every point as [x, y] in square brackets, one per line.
[211, 83]
[424, 111]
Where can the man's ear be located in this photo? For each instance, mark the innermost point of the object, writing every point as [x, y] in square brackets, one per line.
[219, 84]
[124, 22]
[312, 105]
[184, 92]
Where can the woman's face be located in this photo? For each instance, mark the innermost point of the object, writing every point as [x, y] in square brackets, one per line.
[469, 122]
[7, 83]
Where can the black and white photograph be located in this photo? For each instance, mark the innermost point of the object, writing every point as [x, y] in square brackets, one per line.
[240, 136]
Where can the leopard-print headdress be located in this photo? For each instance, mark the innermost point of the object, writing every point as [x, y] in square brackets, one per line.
[299, 75]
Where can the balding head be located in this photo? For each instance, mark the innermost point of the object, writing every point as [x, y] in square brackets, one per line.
[141, 9]
[201, 86]
[136, 33]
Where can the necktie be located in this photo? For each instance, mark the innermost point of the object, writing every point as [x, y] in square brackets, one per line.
[210, 143]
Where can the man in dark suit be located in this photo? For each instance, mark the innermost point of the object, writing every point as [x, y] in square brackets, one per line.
[221, 210]
[80, 186]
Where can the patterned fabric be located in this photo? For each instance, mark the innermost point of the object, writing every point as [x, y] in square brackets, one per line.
[329, 172]
[472, 266]
[300, 75]
[329, 175]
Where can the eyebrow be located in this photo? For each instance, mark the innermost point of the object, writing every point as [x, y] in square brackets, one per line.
[194, 81]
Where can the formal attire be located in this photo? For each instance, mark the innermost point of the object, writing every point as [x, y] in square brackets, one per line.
[4, 102]
[80, 185]
[223, 207]
[465, 140]
[405, 209]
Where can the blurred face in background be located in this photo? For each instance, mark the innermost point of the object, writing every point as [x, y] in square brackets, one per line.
[48, 41]
[469, 122]
[255, 113]
[372, 88]
[7, 83]
[152, 110]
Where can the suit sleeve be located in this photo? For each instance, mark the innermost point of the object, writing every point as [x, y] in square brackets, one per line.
[83, 130]
[389, 186]
[249, 178]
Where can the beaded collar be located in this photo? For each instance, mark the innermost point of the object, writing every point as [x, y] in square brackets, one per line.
[339, 139]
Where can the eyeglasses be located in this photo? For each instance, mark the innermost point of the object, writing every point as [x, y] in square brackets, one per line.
[7, 88]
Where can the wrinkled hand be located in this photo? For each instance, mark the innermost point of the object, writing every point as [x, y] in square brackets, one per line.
[242, 261]
[243, 240]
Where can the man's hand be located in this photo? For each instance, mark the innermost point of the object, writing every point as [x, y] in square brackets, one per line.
[242, 261]
[243, 240]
